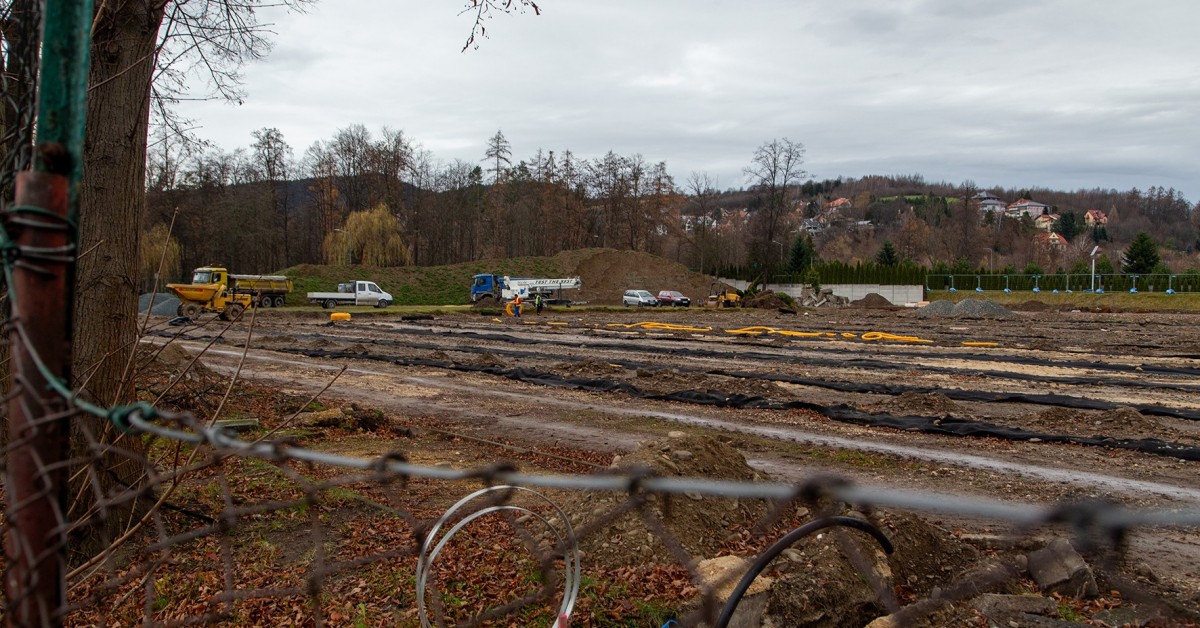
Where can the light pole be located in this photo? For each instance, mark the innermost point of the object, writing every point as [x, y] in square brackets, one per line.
[1095, 250]
[780, 251]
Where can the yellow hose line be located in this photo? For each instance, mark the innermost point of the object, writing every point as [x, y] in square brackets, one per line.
[797, 334]
[883, 335]
[557, 323]
[972, 343]
[655, 325]
[756, 329]
[760, 330]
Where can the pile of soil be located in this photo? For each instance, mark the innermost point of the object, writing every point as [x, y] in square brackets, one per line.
[919, 404]
[1116, 423]
[607, 273]
[819, 585]
[766, 300]
[872, 300]
[699, 523]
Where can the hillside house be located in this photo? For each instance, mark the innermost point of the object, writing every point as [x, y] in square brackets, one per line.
[1095, 217]
[992, 205]
[1046, 222]
[1051, 241]
[841, 203]
[1026, 207]
[691, 223]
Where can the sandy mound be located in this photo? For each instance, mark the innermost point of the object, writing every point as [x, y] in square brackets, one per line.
[872, 300]
[607, 273]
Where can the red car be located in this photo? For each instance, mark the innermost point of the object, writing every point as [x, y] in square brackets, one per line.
[673, 298]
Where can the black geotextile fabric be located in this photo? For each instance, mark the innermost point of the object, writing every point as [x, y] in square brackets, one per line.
[856, 362]
[1060, 401]
[841, 412]
[978, 357]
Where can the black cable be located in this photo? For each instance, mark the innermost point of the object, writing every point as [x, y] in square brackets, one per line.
[788, 539]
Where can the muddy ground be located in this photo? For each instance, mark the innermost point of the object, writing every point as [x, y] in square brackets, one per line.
[1103, 385]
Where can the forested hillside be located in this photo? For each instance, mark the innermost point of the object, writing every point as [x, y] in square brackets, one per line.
[380, 199]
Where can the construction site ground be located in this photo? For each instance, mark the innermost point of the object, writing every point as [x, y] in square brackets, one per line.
[453, 374]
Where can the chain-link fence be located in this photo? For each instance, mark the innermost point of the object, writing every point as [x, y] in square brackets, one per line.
[141, 514]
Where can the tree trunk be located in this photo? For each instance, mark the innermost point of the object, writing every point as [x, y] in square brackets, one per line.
[112, 200]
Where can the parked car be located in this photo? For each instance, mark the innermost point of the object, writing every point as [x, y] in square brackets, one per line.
[673, 298]
[641, 298]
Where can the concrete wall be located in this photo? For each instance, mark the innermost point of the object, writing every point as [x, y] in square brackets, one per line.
[897, 295]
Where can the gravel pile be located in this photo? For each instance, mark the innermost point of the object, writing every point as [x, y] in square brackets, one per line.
[967, 308]
[165, 303]
[973, 308]
[938, 309]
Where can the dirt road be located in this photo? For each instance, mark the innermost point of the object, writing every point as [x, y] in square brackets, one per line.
[1031, 408]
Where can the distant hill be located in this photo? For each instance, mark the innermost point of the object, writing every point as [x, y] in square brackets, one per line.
[605, 274]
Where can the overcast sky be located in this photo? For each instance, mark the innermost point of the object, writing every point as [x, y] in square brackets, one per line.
[1063, 94]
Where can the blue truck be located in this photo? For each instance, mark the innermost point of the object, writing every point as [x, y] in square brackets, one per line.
[502, 288]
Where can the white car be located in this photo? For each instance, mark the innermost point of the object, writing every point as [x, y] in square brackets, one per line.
[641, 298]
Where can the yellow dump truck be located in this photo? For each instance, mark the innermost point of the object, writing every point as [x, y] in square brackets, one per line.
[213, 289]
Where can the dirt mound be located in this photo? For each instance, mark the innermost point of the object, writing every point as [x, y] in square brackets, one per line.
[872, 300]
[819, 586]
[699, 523]
[1116, 423]
[919, 404]
[1129, 423]
[607, 273]
[767, 300]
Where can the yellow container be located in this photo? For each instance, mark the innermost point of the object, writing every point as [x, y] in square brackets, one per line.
[339, 316]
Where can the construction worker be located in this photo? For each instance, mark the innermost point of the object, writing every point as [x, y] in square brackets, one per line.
[516, 306]
[538, 303]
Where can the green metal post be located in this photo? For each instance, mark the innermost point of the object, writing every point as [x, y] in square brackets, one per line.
[41, 224]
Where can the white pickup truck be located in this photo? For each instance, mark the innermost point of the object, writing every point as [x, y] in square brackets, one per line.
[352, 293]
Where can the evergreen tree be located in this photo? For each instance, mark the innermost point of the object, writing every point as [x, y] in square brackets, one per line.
[887, 255]
[1142, 255]
[802, 255]
[1068, 226]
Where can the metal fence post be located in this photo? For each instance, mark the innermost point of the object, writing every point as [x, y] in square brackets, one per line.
[38, 423]
[41, 275]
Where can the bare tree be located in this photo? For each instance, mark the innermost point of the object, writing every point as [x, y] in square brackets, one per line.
[483, 10]
[498, 151]
[273, 162]
[775, 168]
